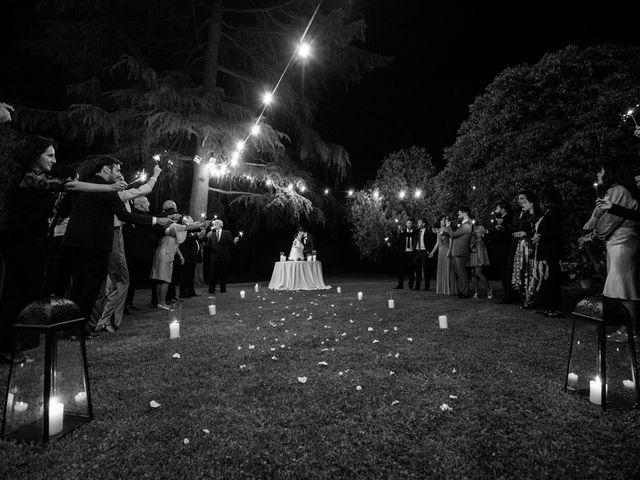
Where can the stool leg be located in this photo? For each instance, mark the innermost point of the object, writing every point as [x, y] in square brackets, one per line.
[602, 340]
[566, 377]
[634, 364]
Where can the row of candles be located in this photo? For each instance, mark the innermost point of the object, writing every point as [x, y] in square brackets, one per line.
[56, 410]
[595, 387]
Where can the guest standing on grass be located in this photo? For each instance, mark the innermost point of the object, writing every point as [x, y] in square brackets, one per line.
[405, 246]
[27, 200]
[523, 254]
[425, 240]
[445, 278]
[549, 243]
[220, 243]
[620, 236]
[478, 259]
[460, 239]
[498, 245]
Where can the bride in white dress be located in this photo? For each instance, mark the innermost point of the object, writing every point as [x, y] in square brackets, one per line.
[297, 248]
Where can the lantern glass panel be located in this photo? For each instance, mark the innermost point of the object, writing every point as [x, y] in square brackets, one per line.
[54, 375]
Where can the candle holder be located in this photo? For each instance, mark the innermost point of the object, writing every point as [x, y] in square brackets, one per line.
[283, 258]
[212, 305]
[256, 288]
[602, 329]
[175, 321]
[391, 301]
[49, 397]
[314, 255]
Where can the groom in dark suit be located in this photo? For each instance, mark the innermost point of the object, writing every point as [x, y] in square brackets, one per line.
[461, 237]
[220, 243]
[307, 242]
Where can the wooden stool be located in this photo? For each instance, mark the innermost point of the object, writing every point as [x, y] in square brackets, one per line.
[605, 312]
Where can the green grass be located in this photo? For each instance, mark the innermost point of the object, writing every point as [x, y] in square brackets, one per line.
[505, 366]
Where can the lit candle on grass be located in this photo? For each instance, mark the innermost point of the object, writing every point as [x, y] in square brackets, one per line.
[442, 320]
[572, 381]
[242, 294]
[338, 290]
[174, 329]
[360, 295]
[212, 305]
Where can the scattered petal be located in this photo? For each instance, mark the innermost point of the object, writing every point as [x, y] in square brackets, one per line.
[323, 363]
[453, 396]
[176, 355]
[274, 358]
[395, 329]
[397, 355]
[376, 341]
[239, 347]
[392, 372]
[410, 339]
[154, 404]
[340, 373]
[185, 441]
[385, 330]
[251, 347]
[242, 366]
[453, 370]
[395, 402]
[444, 407]
[370, 329]
[206, 430]
[358, 388]
[302, 379]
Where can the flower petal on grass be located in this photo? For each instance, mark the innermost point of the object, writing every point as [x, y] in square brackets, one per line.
[445, 408]
[251, 347]
[453, 396]
[185, 441]
[206, 431]
[410, 339]
[154, 404]
[358, 387]
[376, 341]
[302, 379]
[392, 372]
[395, 402]
[323, 363]
[175, 355]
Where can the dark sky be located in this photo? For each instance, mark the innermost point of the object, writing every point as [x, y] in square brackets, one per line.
[446, 53]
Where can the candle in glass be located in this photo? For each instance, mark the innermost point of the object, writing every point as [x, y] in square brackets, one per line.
[572, 380]
[595, 391]
[242, 293]
[174, 329]
[80, 399]
[339, 290]
[257, 288]
[442, 320]
[360, 295]
[212, 305]
[56, 415]
[20, 407]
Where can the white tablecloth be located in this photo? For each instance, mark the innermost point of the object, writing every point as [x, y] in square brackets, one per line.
[298, 275]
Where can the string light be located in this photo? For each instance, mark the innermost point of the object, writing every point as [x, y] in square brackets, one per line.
[350, 193]
[326, 191]
[402, 194]
[376, 195]
[267, 98]
[255, 130]
[630, 113]
[304, 50]
[418, 193]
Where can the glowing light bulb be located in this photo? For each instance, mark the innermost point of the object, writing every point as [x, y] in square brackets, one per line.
[290, 186]
[473, 187]
[630, 112]
[376, 195]
[350, 193]
[304, 50]
[255, 130]
[402, 194]
[268, 182]
[418, 193]
[326, 191]
[235, 156]
[240, 146]
[303, 188]
[267, 98]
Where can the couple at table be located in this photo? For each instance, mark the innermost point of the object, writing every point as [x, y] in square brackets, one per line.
[302, 245]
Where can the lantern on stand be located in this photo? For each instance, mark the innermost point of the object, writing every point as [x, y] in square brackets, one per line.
[48, 396]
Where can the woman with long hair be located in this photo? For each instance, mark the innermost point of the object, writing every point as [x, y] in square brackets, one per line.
[523, 260]
[445, 280]
[620, 236]
[478, 258]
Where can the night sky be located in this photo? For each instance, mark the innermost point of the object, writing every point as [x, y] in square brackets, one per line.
[446, 53]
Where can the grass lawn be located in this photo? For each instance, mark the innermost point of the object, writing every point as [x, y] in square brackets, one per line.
[321, 385]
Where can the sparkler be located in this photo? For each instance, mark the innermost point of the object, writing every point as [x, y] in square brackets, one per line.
[140, 177]
[630, 113]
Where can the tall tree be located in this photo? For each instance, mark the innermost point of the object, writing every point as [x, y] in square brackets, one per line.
[185, 79]
[552, 123]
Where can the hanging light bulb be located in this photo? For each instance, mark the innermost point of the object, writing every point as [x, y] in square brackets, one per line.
[303, 188]
[350, 193]
[255, 130]
[240, 146]
[402, 194]
[235, 156]
[304, 50]
[326, 191]
[267, 98]
[418, 193]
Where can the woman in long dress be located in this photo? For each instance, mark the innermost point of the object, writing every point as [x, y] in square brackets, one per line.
[162, 269]
[445, 281]
[478, 258]
[297, 248]
[524, 255]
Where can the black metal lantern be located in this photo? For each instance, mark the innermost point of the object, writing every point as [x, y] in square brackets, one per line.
[48, 395]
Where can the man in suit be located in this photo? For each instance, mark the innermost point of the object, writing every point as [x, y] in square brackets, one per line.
[460, 238]
[307, 242]
[220, 243]
[405, 245]
[90, 233]
[140, 242]
[425, 241]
